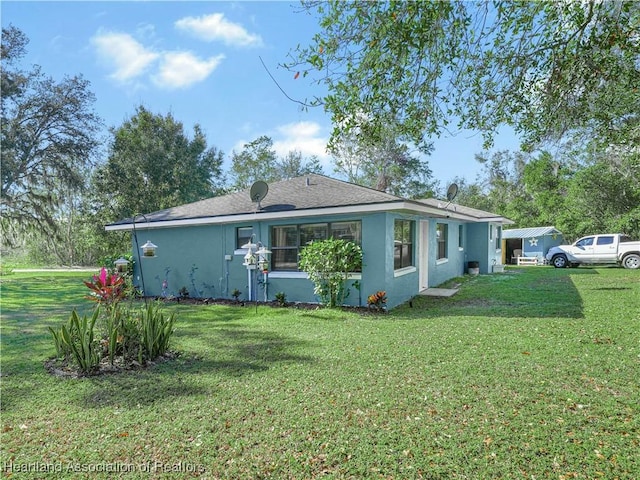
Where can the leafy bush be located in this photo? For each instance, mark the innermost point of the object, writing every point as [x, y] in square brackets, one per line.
[328, 264]
[281, 299]
[236, 294]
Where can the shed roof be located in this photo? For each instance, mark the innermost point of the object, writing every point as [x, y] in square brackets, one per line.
[530, 232]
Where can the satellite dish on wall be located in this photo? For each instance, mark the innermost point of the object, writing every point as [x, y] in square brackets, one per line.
[258, 191]
[452, 191]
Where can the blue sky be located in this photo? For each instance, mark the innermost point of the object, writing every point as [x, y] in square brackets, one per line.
[201, 62]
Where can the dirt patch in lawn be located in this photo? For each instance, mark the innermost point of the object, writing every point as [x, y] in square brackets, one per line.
[62, 368]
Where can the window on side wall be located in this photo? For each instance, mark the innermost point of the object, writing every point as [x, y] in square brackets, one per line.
[498, 238]
[460, 237]
[288, 240]
[441, 236]
[243, 236]
[403, 244]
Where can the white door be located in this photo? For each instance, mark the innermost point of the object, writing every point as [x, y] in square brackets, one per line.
[583, 250]
[423, 257]
[605, 249]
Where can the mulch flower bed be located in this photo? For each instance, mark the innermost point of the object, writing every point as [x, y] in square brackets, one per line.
[60, 367]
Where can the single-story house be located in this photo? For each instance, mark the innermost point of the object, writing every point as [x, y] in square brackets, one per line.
[408, 245]
[529, 243]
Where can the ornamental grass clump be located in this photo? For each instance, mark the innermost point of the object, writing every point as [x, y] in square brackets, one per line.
[156, 329]
[76, 341]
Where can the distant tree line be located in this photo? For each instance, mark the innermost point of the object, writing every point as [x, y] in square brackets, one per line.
[61, 183]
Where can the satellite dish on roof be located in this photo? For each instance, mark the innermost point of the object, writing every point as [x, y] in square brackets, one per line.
[258, 191]
[452, 191]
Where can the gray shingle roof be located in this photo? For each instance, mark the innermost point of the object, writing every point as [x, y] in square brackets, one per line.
[306, 192]
[461, 209]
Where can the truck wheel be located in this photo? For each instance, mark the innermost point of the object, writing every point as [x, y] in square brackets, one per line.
[631, 261]
[559, 261]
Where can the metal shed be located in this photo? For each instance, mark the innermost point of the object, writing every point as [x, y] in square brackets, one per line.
[529, 245]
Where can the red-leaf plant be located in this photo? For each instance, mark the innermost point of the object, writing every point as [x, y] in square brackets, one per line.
[378, 300]
[107, 289]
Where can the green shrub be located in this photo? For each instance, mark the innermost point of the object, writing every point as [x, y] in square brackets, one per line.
[328, 264]
[236, 294]
[281, 299]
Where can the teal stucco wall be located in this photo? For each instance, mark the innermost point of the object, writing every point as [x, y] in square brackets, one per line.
[206, 261]
[455, 263]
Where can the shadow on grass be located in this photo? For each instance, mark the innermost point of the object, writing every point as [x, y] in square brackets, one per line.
[229, 352]
[534, 292]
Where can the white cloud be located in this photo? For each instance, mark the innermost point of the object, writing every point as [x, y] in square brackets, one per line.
[299, 129]
[183, 69]
[124, 54]
[305, 137]
[215, 27]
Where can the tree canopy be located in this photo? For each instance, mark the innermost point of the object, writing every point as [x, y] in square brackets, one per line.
[258, 160]
[547, 68]
[384, 164]
[153, 165]
[49, 135]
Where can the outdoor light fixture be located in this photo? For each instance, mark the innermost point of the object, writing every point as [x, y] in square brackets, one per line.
[149, 250]
[263, 261]
[255, 258]
[250, 260]
[121, 265]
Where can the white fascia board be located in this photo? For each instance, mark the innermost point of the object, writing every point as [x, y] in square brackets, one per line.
[264, 216]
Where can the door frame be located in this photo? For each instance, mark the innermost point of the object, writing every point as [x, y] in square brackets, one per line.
[423, 256]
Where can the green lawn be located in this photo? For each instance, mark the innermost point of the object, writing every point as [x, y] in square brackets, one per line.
[529, 374]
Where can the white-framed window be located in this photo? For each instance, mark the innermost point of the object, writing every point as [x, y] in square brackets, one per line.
[498, 238]
[442, 230]
[461, 237]
[287, 240]
[243, 236]
[403, 244]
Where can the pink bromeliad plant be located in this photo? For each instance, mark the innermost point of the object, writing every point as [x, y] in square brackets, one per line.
[107, 289]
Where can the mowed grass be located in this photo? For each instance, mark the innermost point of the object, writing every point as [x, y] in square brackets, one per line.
[534, 373]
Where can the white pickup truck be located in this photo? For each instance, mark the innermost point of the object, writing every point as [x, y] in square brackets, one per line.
[612, 248]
